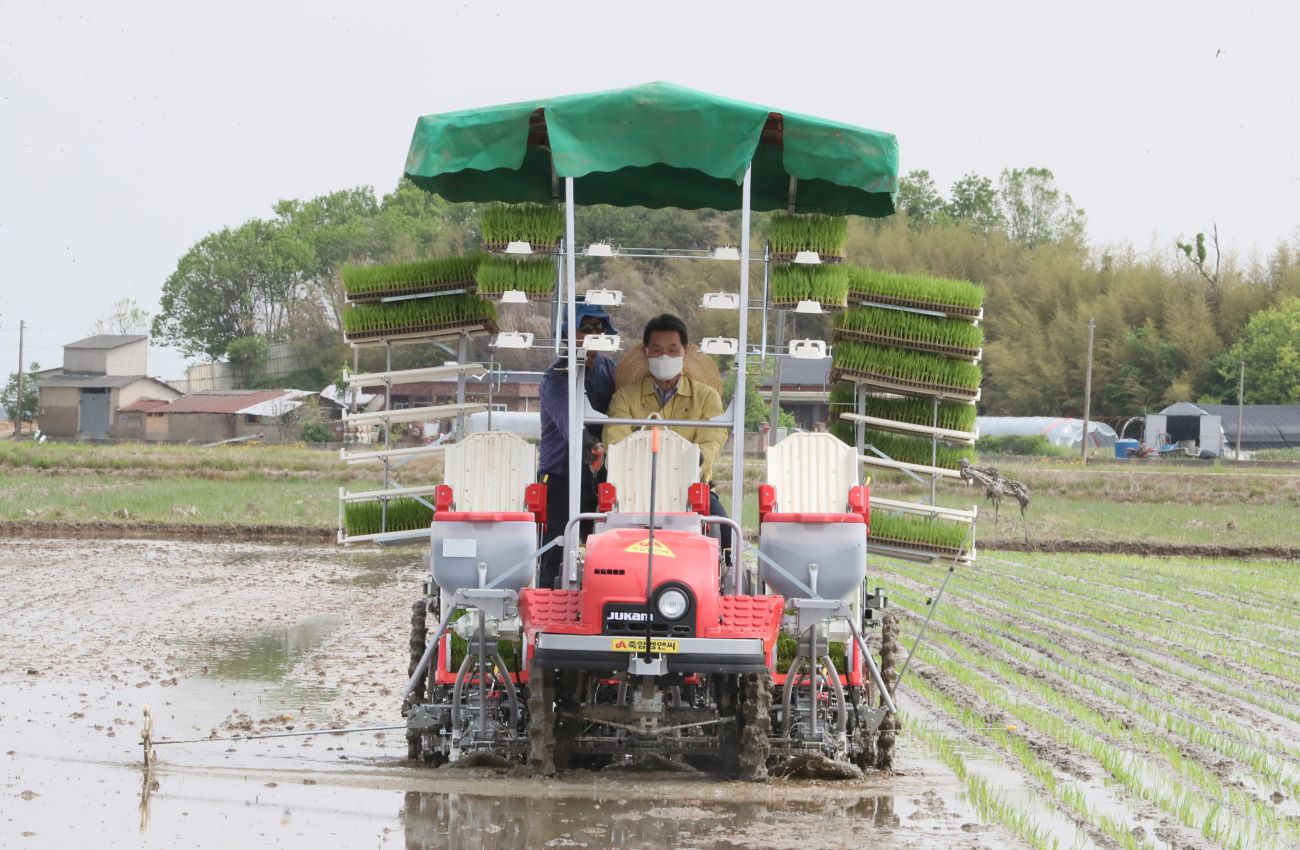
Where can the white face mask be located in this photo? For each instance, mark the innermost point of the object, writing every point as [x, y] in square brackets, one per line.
[665, 368]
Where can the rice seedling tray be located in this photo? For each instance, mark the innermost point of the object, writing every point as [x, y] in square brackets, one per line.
[475, 327]
[409, 280]
[790, 305]
[500, 247]
[459, 287]
[903, 387]
[914, 345]
[824, 259]
[868, 299]
[535, 277]
[877, 541]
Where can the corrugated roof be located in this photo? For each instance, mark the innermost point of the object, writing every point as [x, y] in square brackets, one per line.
[91, 382]
[144, 405]
[223, 401]
[1263, 426]
[103, 341]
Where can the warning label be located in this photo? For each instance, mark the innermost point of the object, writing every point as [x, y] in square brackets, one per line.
[642, 547]
[638, 645]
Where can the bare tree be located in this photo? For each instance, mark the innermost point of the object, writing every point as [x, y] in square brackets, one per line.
[124, 317]
[1198, 256]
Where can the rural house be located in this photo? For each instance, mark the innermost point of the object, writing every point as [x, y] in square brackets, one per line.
[216, 415]
[100, 375]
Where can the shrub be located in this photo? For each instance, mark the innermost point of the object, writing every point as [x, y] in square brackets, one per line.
[1019, 444]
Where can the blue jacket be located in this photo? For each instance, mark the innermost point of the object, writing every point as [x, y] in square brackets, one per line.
[553, 452]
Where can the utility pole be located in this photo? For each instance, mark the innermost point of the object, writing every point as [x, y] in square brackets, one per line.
[18, 420]
[1241, 396]
[1087, 393]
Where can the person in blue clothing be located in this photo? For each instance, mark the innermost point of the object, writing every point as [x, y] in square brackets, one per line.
[553, 452]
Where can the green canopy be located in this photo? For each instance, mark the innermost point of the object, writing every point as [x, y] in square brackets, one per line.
[655, 145]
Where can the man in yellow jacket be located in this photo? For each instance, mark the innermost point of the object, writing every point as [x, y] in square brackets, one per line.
[672, 395]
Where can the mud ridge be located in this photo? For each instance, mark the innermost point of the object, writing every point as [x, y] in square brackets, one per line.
[1143, 547]
[225, 533]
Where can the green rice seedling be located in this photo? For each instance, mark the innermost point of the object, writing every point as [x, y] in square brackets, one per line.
[362, 282]
[540, 225]
[827, 285]
[402, 515]
[377, 320]
[896, 327]
[824, 234]
[953, 415]
[918, 449]
[915, 290]
[906, 367]
[532, 275]
[919, 531]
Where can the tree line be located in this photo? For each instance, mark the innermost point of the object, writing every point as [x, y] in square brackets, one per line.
[1171, 325]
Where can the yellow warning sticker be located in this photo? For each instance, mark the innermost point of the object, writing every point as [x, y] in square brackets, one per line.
[638, 645]
[642, 547]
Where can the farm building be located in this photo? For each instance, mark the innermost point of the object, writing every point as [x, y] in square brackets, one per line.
[100, 375]
[1214, 426]
[804, 388]
[216, 415]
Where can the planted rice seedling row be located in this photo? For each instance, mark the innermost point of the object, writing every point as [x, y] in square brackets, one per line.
[954, 337]
[827, 285]
[1166, 755]
[362, 283]
[919, 292]
[1170, 661]
[369, 518]
[822, 234]
[540, 225]
[919, 450]
[1273, 761]
[532, 276]
[1144, 777]
[430, 315]
[915, 371]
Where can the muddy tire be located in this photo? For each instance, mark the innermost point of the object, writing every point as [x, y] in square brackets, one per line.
[541, 720]
[885, 738]
[419, 634]
[726, 696]
[754, 726]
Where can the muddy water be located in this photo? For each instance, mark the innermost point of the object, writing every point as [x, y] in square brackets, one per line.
[237, 639]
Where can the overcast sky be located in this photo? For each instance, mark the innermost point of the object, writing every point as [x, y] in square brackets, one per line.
[130, 129]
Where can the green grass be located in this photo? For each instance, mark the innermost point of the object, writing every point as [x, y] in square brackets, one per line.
[911, 328]
[904, 528]
[1278, 455]
[402, 515]
[540, 225]
[498, 274]
[406, 316]
[912, 366]
[280, 501]
[921, 289]
[162, 458]
[826, 284]
[362, 281]
[1018, 444]
[825, 234]
[908, 449]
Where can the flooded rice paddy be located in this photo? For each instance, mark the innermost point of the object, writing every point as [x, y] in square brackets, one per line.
[222, 640]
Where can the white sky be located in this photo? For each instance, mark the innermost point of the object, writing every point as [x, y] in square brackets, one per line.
[130, 129]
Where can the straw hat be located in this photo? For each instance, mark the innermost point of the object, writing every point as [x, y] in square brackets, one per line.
[698, 367]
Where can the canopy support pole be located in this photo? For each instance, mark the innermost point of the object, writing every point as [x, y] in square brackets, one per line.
[738, 426]
[575, 399]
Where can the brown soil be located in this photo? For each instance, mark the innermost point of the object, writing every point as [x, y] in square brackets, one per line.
[144, 530]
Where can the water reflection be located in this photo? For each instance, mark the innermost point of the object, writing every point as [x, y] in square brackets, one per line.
[440, 821]
[269, 656]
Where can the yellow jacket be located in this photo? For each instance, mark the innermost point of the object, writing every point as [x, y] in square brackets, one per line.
[692, 401]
